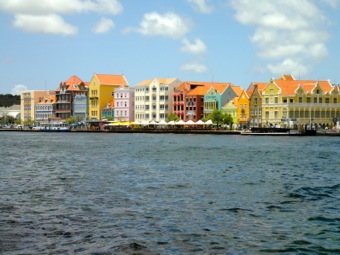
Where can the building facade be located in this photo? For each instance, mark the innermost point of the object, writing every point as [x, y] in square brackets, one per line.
[65, 95]
[80, 106]
[100, 93]
[29, 99]
[45, 108]
[154, 99]
[297, 103]
[124, 107]
[255, 103]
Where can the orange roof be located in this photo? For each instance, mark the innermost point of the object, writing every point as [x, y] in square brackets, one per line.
[288, 87]
[72, 83]
[111, 79]
[48, 100]
[237, 89]
[287, 77]
[198, 91]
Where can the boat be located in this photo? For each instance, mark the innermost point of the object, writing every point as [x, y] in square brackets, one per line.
[53, 127]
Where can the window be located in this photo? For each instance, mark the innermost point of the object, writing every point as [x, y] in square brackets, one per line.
[308, 100]
[300, 100]
[267, 100]
[320, 100]
[276, 100]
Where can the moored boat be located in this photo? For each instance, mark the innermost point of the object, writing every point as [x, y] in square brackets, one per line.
[53, 127]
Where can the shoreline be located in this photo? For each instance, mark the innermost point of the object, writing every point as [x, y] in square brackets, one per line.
[175, 131]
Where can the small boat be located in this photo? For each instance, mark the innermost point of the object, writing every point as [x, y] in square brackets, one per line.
[53, 127]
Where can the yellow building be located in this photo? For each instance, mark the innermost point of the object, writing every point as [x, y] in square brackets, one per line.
[287, 102]
[243, 110]
[101, 89]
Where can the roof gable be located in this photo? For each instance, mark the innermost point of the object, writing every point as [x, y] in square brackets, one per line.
[111, 79]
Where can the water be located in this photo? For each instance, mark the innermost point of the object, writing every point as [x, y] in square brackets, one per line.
[95, 193]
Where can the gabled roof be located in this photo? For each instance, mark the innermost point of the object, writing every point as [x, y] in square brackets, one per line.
[111, 79]
[287, 77]
[289, 87]
[237, 89]
[71, 83]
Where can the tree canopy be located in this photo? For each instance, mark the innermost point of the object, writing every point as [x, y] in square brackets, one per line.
[220, 118]
[173, 117]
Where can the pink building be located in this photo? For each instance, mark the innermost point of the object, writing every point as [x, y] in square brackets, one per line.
[124, 104]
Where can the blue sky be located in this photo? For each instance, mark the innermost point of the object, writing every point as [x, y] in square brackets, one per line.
[44, 42]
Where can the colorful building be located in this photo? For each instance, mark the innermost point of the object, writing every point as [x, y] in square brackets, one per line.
[124, 107]
[80, 106]
[153, 99]
[218, 95]
[297, 103]
[243, 110]
[100, 93]
[255, 103]
[65, 95]
[231, 108]
[45, 108]
[29, 99]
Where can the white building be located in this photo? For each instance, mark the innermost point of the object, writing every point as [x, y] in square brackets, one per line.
[124, 104]
[153, 99]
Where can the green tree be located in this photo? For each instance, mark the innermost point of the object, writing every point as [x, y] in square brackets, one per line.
[70, 120]
[28, 122]
[172, 117]
[219, 117]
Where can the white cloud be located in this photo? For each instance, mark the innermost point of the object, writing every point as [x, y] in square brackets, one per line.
[18, 88]
[201, 6]
[197, 47]
[288, 66]
[103, 26]
[43, 7]
[194, 67]
[45, 16]
[48, 24]
[167, 25]
[290, 33]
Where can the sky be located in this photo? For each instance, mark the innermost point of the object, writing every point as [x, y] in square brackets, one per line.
[44, 42]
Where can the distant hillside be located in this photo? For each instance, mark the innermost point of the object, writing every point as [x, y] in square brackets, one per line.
[9, 100]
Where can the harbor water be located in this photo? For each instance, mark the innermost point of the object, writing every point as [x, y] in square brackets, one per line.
[107, 193]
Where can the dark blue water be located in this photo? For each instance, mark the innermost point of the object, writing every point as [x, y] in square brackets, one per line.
[79, 193]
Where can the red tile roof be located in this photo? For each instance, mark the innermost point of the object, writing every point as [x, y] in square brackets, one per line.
[111, 79]
[288, 87]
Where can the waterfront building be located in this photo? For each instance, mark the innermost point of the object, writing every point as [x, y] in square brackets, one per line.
[100, 93]
[243, 110]
[124, 107]
[300, 103]
[255, 103]
[65, 95]
[45, 109]
[80, 106]
[231, 108]
[153, 99]
[28, 100]
[218, 95]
